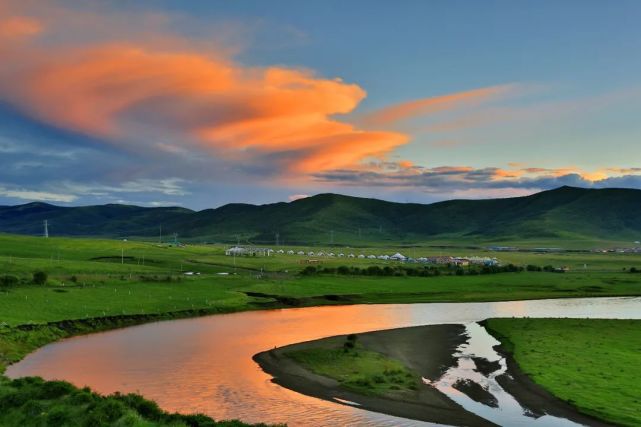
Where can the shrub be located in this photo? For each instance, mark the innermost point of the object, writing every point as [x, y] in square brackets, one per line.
[55, 389]
[58, 416]
[8, 281]
[40, 277]
[343, 270]
[374, 270]
[108, 411]
[308, 271]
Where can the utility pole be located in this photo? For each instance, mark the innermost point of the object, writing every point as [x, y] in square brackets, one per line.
[46, 224]
[160, 237]
[277, 238]
[175, 239]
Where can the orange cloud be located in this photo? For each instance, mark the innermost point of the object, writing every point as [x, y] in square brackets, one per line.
[19, 26]
[125, 91]
[406, 110]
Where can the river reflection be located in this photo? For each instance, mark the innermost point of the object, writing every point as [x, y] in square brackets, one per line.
[205, 364]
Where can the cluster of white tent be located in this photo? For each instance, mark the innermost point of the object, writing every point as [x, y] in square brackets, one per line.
[239, 250]
[396, 257]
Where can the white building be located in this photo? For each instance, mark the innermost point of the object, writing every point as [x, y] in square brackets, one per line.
[398, 257]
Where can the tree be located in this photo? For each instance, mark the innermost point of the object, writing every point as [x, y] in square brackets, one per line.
[350, 342]
[40, 277]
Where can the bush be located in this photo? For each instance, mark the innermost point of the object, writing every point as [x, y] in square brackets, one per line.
[343, 270]
[55, 389]
[308, 271]
[58, 416]
[8, 281]
[40, 277]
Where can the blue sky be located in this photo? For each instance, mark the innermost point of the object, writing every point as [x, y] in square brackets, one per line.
[204, 103]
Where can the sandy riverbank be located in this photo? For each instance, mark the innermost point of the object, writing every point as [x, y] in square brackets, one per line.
[426, 350]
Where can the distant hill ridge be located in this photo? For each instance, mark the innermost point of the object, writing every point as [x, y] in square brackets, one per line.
[565, 212]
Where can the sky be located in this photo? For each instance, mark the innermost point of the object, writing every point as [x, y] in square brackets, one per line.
[203, 103]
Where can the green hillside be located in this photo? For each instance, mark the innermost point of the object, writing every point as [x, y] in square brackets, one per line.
[565, 213]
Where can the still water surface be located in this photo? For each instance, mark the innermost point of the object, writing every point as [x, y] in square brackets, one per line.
[205, 364]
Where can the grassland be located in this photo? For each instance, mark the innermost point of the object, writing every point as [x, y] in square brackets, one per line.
[97, 284]
[592, 364]
[125, 282]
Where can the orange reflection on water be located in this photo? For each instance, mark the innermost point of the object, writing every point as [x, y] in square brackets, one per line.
[205, 364]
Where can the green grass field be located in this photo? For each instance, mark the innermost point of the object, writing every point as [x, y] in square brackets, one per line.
[592, 364]
[97, 284]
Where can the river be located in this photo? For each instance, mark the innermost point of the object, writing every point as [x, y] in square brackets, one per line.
[205, 364]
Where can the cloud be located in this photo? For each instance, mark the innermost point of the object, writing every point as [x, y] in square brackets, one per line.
[166, 186]
[294, 197]
[34, 195]
[396, 113]
[453, 180]
[18, 27]
[130, 93]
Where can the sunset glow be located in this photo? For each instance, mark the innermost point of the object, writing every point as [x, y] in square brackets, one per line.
[137, 89]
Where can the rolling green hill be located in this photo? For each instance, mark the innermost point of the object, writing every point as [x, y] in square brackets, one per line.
[563, 213]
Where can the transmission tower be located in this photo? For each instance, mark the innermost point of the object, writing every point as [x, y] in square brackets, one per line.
[46, 225]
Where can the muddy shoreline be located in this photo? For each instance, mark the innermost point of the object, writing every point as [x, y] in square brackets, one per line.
[426, 350]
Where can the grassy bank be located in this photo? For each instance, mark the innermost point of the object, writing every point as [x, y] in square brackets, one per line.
[592, 364]
[34, 402]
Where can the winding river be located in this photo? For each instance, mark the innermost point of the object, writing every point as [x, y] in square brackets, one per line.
[205, 364]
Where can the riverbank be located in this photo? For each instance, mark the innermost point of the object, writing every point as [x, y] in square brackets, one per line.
[428, 352]
[32, 401]
[425, 350]
[570, 366]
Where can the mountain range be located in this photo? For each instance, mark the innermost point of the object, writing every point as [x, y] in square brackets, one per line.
[562, 213]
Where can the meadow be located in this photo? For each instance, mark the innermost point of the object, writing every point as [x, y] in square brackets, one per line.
[593, 364]
[98, 284]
